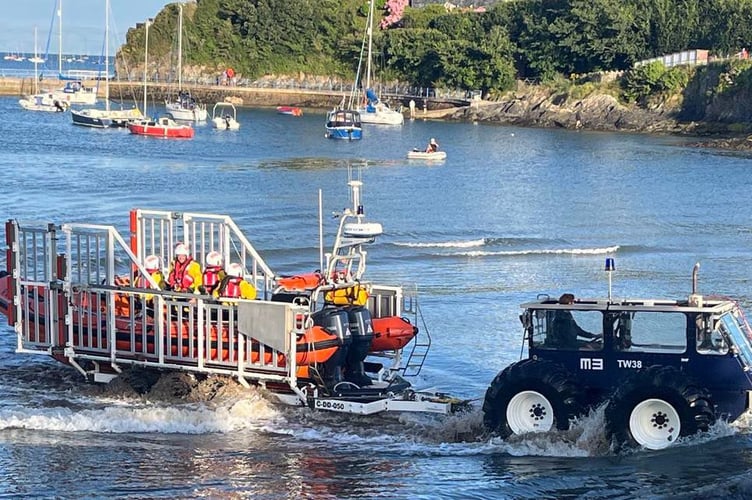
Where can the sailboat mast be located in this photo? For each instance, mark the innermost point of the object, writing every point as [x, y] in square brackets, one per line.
[36, 63]
[107, 55]
[60, 38]
[370, 44]
[180, 47]
[146, 60]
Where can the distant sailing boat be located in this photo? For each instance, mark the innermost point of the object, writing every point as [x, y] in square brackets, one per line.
[164, 126]
[74, 92]
[40, 102]
[185, 106]
[372, 110]
[105, 118]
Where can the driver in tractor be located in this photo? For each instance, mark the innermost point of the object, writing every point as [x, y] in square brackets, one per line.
[565, 331]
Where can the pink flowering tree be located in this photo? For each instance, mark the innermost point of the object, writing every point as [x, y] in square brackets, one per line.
[394, 10]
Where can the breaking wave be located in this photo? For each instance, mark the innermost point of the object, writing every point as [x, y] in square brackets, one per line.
[542, 251]
[446, 244]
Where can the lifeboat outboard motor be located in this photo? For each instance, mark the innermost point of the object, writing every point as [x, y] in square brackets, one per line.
[361, 328]
[335, 321]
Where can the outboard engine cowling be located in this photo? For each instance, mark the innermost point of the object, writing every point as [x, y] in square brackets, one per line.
[335, 320]
[361, 327]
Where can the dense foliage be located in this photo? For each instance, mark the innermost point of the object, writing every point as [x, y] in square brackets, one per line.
[433, 46]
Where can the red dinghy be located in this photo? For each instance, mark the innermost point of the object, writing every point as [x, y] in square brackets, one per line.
[164, 127]
[289, 110]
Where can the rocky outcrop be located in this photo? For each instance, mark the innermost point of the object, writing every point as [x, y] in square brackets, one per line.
[595, 112]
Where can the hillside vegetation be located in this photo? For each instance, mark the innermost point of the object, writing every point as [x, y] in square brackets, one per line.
[546, 41]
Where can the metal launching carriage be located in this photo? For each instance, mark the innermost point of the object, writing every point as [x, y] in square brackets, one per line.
[331, 340]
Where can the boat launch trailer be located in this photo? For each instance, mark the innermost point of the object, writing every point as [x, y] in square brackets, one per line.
[70, 292]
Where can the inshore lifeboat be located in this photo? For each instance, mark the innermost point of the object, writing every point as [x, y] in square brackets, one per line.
[315, 346]
[164, 127]
[391, 333]
[289, 110]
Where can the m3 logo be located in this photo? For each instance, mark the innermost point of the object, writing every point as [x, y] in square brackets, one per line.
[591, 364]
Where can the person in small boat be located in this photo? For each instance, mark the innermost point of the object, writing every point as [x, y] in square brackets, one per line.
[565, 331]
[233, 286]
[213, 274]
[185, 274]
[433, 146]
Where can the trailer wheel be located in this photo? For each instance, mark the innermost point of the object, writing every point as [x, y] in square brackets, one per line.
[655, 407]
[532, 396]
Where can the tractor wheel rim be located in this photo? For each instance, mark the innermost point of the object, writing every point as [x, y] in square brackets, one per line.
[530, 411]
[655, 424]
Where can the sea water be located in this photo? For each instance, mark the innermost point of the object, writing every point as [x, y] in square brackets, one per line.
[510, 214]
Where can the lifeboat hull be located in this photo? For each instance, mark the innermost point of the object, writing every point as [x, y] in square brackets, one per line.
[315, 346]
[391, 333]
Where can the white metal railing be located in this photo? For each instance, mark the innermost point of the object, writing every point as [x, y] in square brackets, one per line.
[157, 232]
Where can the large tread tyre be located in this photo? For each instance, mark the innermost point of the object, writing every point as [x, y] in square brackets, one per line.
[532, 396]
[655, 407]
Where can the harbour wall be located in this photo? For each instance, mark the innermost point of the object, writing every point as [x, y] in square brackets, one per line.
[240, 96]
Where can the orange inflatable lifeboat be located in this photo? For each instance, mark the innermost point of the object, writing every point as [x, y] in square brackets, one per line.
[301, 282]
[315, 346]
[391, 332]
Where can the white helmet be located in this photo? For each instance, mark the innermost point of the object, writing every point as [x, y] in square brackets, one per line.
[213, 259]
[235, 269]
[433, 141]
[181, 249]
[152, 263]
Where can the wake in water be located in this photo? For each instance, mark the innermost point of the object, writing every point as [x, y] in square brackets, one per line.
[492, 243]
[181, 403]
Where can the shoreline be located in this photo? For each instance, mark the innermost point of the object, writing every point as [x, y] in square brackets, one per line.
[533, 108]
[237, 95]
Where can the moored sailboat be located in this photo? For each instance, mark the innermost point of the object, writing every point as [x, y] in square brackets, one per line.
[41, 101]
[165, 126]
[184, 107]
[105, 118]
[372, 109]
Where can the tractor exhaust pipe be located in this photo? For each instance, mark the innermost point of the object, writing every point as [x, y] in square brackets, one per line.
[695, 272]
[695, 300]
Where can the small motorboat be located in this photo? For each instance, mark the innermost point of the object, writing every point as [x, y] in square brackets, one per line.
[163, 127]
[225, 117]
[343, 124]
[289, 110]
[417, 154]
[43, 102]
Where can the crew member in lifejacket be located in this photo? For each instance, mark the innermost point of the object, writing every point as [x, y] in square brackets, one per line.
[153, 265]
[185, 273]
[233, 286]
[214, 273]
